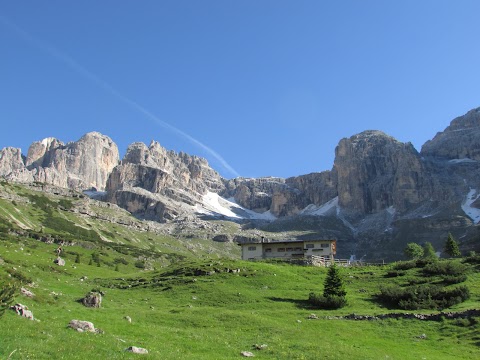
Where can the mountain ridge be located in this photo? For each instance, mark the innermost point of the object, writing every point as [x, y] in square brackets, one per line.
[376, 184]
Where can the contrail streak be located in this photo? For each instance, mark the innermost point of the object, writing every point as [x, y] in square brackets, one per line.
[77, 67]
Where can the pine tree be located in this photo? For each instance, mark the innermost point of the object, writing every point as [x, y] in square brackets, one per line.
[7, 295]
[334, 283]
[429, 251]
[451, 246]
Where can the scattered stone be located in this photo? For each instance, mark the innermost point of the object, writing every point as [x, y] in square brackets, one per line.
[423, 336]
[299, 321]
[128, 318]
[82, 326]
[92, 299]
[27, 292]
[312, 317]
[247, 354]
[23, 311]
[427, 317]
[83, 278]
[59, 261]
[136, 350]
[260, 347]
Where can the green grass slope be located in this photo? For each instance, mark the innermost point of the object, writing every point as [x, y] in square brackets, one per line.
[96, 225]
[214, 309]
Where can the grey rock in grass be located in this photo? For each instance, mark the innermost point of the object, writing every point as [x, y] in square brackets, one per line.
[81, 326]
[92, 299]
[247, 354]
[136, 350]
[59, 261]
[260, 347]
[23, 311]
[27, 292]
[128, 318]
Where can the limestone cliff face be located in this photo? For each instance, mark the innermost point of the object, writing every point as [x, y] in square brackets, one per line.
[254, 194]
[78, 165]
[317, 188]
[460, 140]
[375, 171]
[152, 182]
[283, 197]
[11, 160]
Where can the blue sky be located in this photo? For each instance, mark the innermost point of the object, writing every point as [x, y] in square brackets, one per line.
[258, 87]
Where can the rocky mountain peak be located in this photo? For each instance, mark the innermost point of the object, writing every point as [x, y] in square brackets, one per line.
[376, 171]
[39, 152]
[78, 165]
[460, 140]
[153, 182]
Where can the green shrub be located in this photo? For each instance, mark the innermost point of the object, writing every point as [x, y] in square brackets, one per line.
[421, 263]
[422, 296]
[454, 279]
[413, 251]
[444, 268]
[140, 264]
[473, 259]
[405, 265]
[66, 204]
[394, 273]
[331, 302]
[120, 260]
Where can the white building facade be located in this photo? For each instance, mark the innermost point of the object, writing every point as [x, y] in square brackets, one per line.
[292, 249]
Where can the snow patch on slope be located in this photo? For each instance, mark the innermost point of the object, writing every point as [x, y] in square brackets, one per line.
[459, 161]
[467, 207]
[321, 210]
[215, 205]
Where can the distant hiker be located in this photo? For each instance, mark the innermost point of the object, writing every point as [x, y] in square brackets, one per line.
[59, 250]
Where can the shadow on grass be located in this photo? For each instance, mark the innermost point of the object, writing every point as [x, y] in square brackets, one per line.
[302, 304]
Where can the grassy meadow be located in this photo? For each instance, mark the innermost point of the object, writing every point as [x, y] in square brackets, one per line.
[201, 309]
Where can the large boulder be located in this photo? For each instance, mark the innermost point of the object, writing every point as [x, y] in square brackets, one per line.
[23, 311]
[136, 350]
[92, 299]
[81, 326]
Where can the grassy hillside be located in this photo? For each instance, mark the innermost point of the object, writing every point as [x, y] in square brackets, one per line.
[96, 225]
[193, 298]
[201, 309]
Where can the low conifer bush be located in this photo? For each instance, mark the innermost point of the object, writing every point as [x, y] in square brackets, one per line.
[333, 293]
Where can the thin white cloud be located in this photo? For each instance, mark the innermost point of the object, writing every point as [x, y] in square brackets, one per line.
[80, 69]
